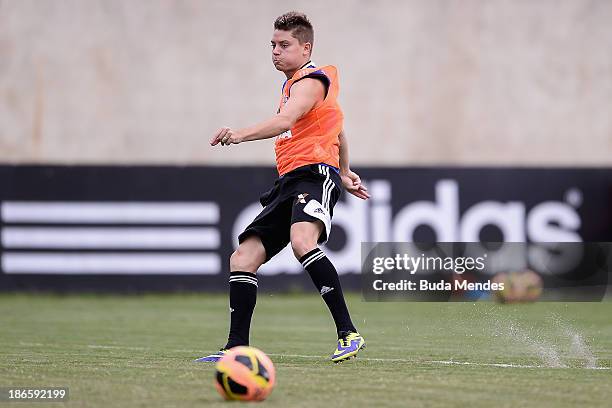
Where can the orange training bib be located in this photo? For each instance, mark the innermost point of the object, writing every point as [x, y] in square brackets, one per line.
[314, 137]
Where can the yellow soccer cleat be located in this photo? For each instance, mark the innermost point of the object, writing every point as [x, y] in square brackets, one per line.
[349, 345]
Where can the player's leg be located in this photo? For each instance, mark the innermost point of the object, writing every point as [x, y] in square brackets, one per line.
[304, 238]
[316, 194]
[244, 263]
[266, 236]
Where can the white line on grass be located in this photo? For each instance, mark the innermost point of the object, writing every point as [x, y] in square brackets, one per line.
[445, 362]
[390, 360]
[504, 365]
[95, 346]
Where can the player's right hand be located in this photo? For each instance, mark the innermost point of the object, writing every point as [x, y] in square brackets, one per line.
[226, 137]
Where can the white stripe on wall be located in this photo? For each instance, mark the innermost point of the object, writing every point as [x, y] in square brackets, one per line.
[122, 264]
[110, 238]
[110, 212]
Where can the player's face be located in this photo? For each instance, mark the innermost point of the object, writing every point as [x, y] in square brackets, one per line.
[287, 52]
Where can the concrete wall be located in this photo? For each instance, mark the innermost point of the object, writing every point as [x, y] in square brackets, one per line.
[422, 82]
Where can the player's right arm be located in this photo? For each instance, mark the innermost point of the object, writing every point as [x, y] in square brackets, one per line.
[304, 95]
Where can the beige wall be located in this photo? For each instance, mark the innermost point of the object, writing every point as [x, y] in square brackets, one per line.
[423, 82]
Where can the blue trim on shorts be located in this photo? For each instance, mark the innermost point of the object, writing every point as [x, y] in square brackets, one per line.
[331, 167]
[316, 164]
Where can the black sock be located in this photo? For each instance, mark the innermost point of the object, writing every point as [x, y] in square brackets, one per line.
[325, 278]
[243, 296]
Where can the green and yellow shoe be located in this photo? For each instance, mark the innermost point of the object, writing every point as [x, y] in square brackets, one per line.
[349, 345]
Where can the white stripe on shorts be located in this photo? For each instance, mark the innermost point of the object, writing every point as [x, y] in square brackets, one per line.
[330, 187]
[324, 198]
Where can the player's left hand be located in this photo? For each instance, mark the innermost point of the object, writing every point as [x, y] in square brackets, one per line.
[352, 183]
[226, 137]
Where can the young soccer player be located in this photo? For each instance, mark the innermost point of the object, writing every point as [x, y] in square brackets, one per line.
[313, 165]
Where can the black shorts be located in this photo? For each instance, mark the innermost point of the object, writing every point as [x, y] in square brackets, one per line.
[308, 193]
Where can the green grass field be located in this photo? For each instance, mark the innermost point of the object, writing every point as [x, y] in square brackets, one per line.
[137, 351]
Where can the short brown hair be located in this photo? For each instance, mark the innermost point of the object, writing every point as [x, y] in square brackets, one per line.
[297, 24]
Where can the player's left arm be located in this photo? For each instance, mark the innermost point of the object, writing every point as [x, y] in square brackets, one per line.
[304, 95]
[350, 180]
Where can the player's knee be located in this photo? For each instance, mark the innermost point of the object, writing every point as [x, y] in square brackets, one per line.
[246, 259]
[303, 237]
[301, 245]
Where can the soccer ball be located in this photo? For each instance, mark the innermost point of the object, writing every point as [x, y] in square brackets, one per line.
[523, 286]
[245, 373]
